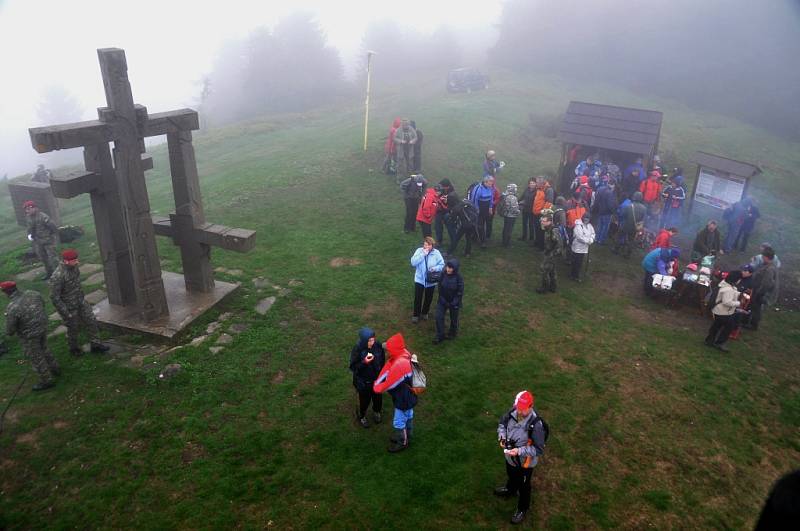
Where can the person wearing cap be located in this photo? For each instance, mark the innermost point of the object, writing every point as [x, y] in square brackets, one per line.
[522, 438]
[67, 296]
[26, 318]
[451, 291]
[657, 262]
[404, 139]
[723, 308]
[366, 361]
[553, 247]
[582, 237]
[395, 378]
[413, 189]
[631, 214]
[43, 234]
[508, 208]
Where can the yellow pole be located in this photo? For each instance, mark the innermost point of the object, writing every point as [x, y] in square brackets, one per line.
[366, 103]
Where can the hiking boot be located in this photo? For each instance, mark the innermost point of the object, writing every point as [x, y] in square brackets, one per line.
[77, 352]
[41, 386]
[363, 422]
[722, 348]
[398, 441]
[377, 418]
[415, 319]
[503, 492]
[98, 347]
[517, 517]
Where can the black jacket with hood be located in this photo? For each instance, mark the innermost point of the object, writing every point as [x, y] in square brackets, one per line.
[364, 374]
[451, 287]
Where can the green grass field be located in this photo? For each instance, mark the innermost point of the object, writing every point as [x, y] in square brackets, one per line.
[649, 427]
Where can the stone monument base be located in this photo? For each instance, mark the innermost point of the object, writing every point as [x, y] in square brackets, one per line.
[184, 308]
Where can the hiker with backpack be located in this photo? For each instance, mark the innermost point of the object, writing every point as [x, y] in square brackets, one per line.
[482, 197]
[366, 361]
[428, 264]
[463, 218]
[451, 291]
[390, 150]
[404, 139]
[724, 305]
[413, 190]
[396, 379]
[526, 208]
[631, 214]
[508, 208]
[604, 206]
[522, 435]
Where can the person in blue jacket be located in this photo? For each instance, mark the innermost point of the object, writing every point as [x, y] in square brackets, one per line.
[483, 199]
[638, 164]
[674, 196]
[491, 166]
[366, 361]
[451, 291]
[427, 262]
[656, 262]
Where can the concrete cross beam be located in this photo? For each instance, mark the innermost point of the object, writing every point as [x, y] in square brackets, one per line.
[227, 238]
[74, 184]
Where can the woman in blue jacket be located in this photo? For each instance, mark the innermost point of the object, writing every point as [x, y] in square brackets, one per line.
[428, 265]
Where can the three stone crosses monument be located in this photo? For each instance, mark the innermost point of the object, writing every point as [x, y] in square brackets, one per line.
[140, 296]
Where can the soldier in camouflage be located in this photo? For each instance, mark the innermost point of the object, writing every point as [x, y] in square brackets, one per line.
[553, 247]
[67, 296]
[26, 318]
[44, 235]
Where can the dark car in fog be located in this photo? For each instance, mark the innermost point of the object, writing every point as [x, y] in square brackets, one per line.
[466, 80]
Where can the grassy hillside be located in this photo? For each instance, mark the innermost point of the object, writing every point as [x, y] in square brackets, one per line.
[649, 427]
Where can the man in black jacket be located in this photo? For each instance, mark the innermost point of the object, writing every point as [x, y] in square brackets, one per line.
[451, 290]
[464, 219]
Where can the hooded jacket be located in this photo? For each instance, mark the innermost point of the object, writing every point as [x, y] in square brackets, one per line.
[414, 187]
[583, 237]
[365, 373]
[428, 207]
[630, 213]
[421, 266]
[451, 288]
[542, 197]
[605, 201]
[650, 189]
[662, 240]
[395, 377]
[389, 147]
[727, 300]
[658, 260]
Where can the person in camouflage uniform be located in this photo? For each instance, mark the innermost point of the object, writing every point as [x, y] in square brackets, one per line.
[67, 296]
[26, 318]
[553, 247]
[44, 235]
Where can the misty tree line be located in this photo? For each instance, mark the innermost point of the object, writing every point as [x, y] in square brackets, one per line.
[736, 57]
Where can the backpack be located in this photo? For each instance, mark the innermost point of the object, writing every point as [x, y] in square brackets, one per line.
[471, 191]
[419, 382]
[538, 419]
[470, 212]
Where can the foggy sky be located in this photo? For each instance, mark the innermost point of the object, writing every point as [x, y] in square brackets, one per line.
[170, 45]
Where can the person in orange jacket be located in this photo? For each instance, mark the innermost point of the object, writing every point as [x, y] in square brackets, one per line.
[427, 210]
[651, 192]
[542, 199]
[395, 377]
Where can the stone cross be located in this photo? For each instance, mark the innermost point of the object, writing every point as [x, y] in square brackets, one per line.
[118, 191]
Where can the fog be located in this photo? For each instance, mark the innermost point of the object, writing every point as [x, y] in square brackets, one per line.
[234, 59]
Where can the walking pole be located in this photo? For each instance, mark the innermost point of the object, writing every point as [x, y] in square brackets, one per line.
[370, 53]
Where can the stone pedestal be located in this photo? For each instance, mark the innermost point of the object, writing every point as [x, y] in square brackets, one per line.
[40, 193]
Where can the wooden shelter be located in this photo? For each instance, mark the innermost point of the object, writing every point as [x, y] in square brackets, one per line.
[623, 132]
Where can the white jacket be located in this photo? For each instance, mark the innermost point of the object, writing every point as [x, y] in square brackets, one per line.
[583, 237]
[727, 300]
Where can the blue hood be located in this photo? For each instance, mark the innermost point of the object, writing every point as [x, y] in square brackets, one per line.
[363, 336]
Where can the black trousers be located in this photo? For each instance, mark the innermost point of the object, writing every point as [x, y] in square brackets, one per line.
[721, 328]
[577, 265]
[489, 223]
[483, 220]
[422, 307]
[426, 229]
[756, 309]
[537, 233]
[412, 205]
[527, 224]
[468, 234]
[441, 309]
[365, 397]
[519, 482]
[508, 229]
[648, 283]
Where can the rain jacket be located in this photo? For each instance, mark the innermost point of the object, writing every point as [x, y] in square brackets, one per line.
[662, 240]
[659, 260]
[365, 373]
[727, 300]
[541, 199]
[428, 207]
[583, 237]
[421, 266]
[650, 189]
[515, 431]
[395, 377]
[389, 147]
[483, 193]
[451, 288]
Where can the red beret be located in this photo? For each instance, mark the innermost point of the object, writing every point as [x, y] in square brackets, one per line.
[69, 254]
[27, 204]
[8, 285]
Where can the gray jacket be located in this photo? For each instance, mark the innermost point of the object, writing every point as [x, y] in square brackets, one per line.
[514, 432]
[414, 187]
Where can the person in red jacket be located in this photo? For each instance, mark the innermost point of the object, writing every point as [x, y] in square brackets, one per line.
[664, 238]
[390, 150]
[651, 192]
[427, 210]
[395, 377]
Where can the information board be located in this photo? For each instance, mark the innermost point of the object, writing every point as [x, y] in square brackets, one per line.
[718, 189]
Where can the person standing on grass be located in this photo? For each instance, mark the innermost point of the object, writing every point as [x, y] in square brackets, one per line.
[522, 436]
[553, 248]
[390, 150]
[451, 291]
[631, 215]
[428, 264]
[464, 220]
[427, 210]
[496, 198]
[413, 190]
[765, 286]
[395, 377]
[542, 199]
[441, 213]
[751, 215]
[509, 210]
[707, 242]
[605, 204]
[483, 199]
[583, 237]
[417, 148]
[651, 191]
[674, 196]
[526, 208]
[724, 311]
[43, 234]
[491, 167]
[366, 361]
[404, 138]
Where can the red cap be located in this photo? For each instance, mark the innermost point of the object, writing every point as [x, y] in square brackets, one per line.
[28, 203]
[8, 285]
[69, 254]
[523, 400]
